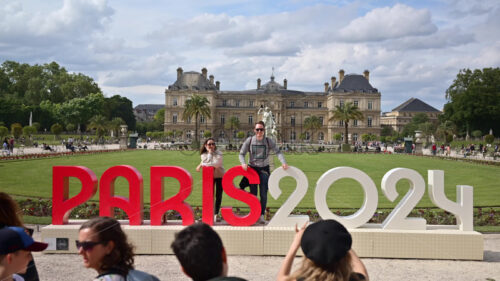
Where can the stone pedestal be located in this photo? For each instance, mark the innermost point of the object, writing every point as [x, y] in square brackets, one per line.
[123, 136]
[418, 142]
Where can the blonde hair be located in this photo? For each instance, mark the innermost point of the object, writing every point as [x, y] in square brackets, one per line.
[337, 271]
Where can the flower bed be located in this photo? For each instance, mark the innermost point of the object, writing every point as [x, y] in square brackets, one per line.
[57, 154]
[482, 216]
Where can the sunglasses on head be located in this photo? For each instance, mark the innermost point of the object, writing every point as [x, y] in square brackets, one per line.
[211, 144]
[259, 129]
[87, 245]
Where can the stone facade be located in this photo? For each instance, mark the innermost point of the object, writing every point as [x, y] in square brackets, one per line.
[403, 114]
[290, 107]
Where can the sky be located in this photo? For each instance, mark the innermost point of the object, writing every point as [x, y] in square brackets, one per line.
[133, 48]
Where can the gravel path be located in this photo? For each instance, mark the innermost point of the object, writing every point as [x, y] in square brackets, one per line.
[56, 267]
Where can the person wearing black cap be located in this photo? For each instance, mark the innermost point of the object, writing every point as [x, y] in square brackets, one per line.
[327, 254]
[15, 251]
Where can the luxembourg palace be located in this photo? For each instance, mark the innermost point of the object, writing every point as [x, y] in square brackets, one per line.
[289, 107]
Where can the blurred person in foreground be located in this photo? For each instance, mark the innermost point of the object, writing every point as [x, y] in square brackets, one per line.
[15, 252]
[10, 215]
[104, 247]
[327, 255]
[201, 254]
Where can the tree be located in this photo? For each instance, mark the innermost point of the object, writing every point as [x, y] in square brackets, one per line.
[16, 130]
[115, 125]
[337, 137]
[346, 113]
[477, 133]
[312, 123]
[28, 131]
[79, 110]
[474, 100]
[3, 131]
[117, 106]
[196, 106]
[410, 128]
[99, 123]
[446, 128]
[207, 134]
[56, 129]
[232, 125]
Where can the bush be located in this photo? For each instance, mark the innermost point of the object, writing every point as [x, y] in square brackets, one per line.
[29, 130]
[477, 133]
[70, 127]
[207, 134]
[346, 147]
[56, 129]
[489, 139]
[3, 131]
[37, 125]
[16, 130]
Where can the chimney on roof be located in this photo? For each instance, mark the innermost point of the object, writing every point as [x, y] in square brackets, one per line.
[285, 83]
[258, 83]
[211, 79]
[367, 75]
[341, 75]
[333, 81]
[179, 72]
[217, 85]
[204, 72]
[326, 86]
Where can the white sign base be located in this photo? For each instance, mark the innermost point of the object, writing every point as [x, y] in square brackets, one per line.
[266, 240]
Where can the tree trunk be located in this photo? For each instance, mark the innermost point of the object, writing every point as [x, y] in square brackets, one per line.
[346, 141]
[196, 132]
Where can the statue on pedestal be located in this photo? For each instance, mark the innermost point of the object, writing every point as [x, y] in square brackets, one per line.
[267, 118]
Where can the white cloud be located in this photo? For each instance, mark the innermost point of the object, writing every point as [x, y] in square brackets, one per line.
[389, 22]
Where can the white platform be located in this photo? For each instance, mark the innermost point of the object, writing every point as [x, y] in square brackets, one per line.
[262, 240]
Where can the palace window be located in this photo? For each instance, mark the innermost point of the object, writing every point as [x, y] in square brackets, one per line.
[341, 103]
[355, 123]
[174, 118]
[306, 104]
[222, 119]
[321, 120]
[250, 103]
[188, 121]
[237, 103]
[320, 104]
[224, 102]
[292, 135]
[370, 104]
[369, 121]
[321, 136]
[250, 119]
[188, 134]
[356, 103]
[341, 123]
[292, 121]
[174, 102]
[202, 119]
[292, 104]
[355, 137]
[308, 136]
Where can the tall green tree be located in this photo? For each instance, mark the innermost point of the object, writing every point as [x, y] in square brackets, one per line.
[196, 106]
[312, 123]
[99, 123]
[474, 101]
[115, 125]
[232, 125]
[118, 106]
[445, 129]
[79, 110]
[346, 113]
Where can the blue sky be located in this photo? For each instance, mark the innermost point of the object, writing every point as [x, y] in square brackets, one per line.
[133, 48]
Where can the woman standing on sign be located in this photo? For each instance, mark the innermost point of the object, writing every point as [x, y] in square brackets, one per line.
[211, 157]
[104, 247]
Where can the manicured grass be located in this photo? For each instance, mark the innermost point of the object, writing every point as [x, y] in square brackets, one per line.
[33, 178]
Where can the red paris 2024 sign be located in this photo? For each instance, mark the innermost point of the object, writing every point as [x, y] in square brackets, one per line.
[62, 204]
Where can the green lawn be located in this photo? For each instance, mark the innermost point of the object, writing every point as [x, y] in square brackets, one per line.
[33, 178]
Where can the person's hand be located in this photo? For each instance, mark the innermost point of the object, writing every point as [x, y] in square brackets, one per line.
[298, 236]
[285, 166]
[198, 168]
[244, 166]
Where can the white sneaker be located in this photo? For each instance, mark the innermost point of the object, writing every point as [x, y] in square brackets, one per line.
[261, 220]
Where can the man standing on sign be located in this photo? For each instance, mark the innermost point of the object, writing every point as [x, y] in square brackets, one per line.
[259, 147]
